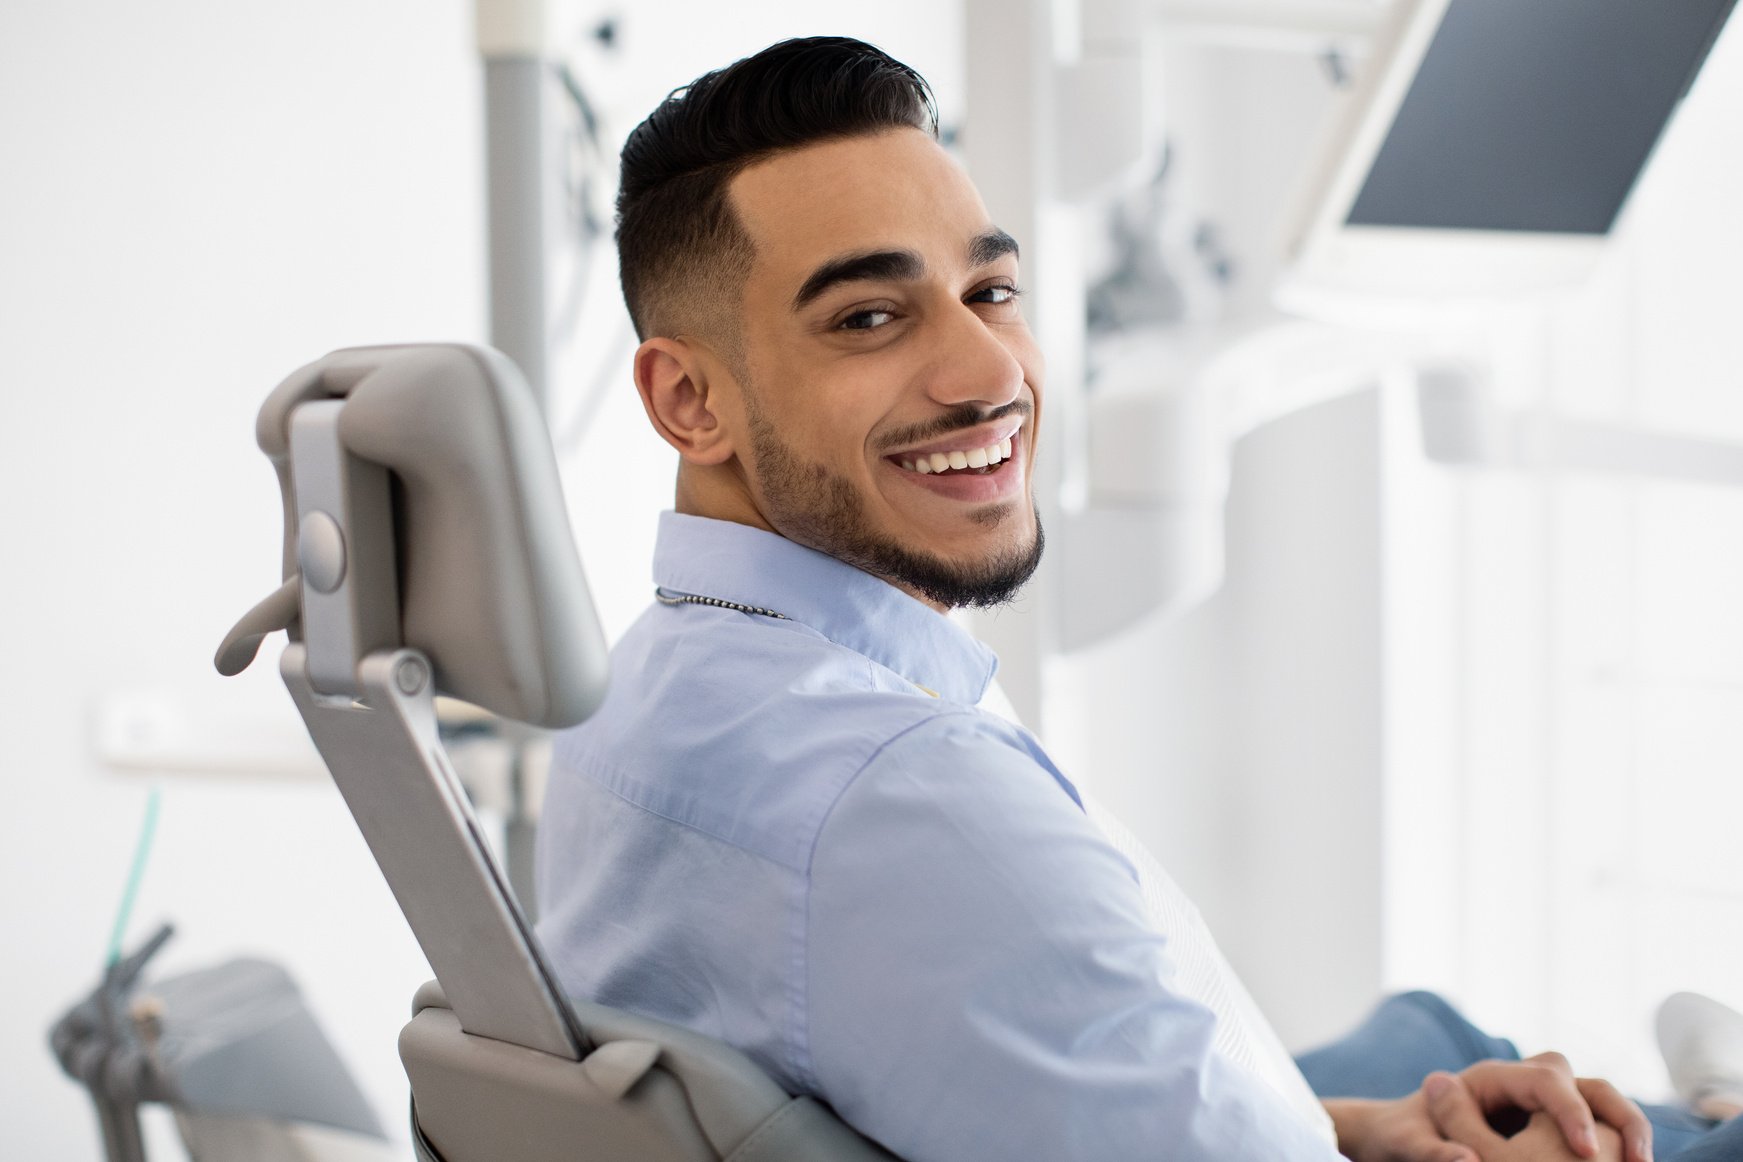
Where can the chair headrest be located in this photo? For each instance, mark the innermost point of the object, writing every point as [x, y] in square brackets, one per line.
[490, 586]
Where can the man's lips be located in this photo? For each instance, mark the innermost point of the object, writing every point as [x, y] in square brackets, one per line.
[961, 479]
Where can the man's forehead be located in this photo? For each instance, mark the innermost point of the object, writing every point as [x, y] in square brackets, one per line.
[890, 191]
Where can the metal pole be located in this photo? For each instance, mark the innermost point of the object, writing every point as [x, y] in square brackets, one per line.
[516, 199]
[513, 40]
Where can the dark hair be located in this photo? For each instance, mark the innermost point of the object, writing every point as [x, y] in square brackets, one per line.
[676, 231]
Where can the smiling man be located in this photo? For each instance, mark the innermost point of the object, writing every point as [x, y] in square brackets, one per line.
[790, 826]
[868, 389]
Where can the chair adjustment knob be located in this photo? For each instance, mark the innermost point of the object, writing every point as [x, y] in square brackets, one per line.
[321, 551]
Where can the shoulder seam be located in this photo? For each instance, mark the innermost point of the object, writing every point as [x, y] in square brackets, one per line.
[802, 1047]
[938, 714]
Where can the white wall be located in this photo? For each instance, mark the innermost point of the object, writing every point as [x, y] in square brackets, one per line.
[195, 199]
[198, 197]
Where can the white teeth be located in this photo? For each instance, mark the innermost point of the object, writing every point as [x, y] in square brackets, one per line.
[927, 462]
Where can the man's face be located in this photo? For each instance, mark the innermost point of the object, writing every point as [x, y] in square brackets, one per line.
[891, 387]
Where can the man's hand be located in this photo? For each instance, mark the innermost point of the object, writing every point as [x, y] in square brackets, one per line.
[1544, 1138]
[1393, 1131]
[1447, 1119]
[1544, 1085]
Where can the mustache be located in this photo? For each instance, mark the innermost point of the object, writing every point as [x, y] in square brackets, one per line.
[956, 420]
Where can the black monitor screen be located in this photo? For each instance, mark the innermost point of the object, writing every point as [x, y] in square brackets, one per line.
[1536, 115]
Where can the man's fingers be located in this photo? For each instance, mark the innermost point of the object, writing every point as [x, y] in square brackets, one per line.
[1425, 1144]
[1542, 1084]
[1456, 1114]
[1553, 1060]
[1445, 1152]
[1618, 1112]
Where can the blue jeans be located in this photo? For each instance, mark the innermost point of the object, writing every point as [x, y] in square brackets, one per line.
[1413, 1034]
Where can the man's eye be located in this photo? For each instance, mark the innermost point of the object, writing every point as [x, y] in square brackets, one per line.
[866, 320]
[997, 295]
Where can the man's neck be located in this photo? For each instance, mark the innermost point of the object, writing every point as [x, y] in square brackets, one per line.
[709, 498]
[709, 495]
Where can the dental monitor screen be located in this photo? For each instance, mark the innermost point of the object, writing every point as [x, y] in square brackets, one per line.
[1487, 121]
[1535, 116]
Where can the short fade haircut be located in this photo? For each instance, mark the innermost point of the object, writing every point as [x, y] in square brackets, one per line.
[677, 235]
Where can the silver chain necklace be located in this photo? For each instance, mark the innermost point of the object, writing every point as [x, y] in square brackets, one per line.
[666, 597]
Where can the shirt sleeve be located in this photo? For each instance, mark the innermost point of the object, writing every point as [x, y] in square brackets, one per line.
[983, 981]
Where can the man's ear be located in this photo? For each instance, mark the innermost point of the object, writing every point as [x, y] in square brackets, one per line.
[682, 402]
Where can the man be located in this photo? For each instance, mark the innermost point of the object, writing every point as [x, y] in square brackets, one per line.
[789, 826]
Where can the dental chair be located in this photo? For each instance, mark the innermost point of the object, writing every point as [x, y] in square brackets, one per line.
[426, 551]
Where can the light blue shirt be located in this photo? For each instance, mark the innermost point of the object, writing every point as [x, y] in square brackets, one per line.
[801, 837]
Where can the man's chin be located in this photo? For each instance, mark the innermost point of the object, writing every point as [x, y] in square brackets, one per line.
[986, 581]
[817, 508]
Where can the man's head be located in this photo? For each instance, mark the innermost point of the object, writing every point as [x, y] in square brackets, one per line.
[828, 315]
[676, 232]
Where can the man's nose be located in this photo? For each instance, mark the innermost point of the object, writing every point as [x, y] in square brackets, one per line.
[973, 363]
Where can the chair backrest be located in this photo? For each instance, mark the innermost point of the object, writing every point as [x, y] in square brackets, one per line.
[486, 582]
[427, 548]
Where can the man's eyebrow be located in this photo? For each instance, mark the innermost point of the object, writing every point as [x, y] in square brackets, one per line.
[878, 265]
[985, 249]
[990, 246]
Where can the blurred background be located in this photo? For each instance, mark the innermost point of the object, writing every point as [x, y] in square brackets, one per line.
[1402, 700]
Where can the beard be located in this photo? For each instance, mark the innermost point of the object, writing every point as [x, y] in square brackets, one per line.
[809, 504]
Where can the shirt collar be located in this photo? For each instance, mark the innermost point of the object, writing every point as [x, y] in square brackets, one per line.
[850, 607]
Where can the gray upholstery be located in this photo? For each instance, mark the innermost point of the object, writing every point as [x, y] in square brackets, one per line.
[670, 1096]
[490, 585]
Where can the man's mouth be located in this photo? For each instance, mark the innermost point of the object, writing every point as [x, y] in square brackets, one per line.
[976, 460]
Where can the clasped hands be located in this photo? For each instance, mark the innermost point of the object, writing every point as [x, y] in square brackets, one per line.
[1566, 1118]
